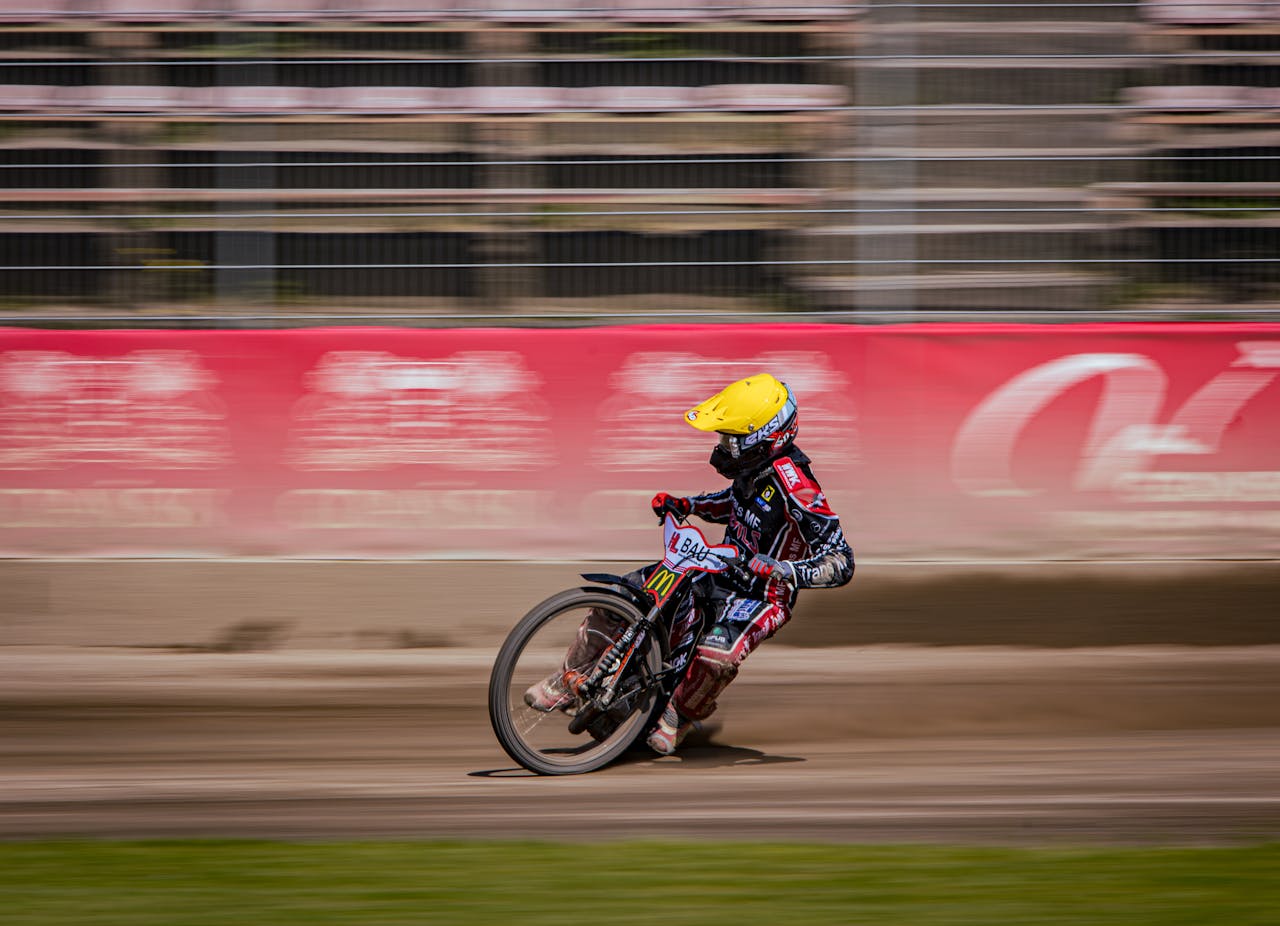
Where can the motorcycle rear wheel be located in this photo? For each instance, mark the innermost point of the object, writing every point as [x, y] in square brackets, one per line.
[536, 648]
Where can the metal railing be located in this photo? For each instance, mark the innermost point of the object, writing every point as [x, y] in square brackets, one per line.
[938, 187]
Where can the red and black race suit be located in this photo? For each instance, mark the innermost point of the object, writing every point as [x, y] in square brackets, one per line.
[781, 511]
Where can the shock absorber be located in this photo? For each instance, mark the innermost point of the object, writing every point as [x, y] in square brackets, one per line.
[609, 667]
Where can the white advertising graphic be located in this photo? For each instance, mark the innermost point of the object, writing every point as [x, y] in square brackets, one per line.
[1125, 435]
[372, 410]
[148, 409]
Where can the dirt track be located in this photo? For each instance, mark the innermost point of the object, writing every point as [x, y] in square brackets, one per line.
[1128, 744]
[346, 604]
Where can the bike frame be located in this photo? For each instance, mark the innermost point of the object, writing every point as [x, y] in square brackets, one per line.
[686, 553]
[631, 682]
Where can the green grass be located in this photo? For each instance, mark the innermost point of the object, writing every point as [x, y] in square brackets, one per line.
[259, 883]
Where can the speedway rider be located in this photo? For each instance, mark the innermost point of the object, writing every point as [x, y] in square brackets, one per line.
[775, 513]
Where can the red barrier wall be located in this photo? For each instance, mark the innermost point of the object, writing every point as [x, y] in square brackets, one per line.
[932, 441]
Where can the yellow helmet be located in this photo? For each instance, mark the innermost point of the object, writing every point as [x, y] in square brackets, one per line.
[756, 419]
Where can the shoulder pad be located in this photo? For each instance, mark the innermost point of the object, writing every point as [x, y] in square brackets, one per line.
[801, 486]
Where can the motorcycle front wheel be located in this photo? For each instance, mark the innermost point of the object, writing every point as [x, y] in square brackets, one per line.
[576, 736]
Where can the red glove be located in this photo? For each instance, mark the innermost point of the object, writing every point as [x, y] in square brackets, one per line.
[769, 568]
[678, 506]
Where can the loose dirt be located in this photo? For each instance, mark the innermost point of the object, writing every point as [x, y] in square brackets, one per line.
[1008, 745]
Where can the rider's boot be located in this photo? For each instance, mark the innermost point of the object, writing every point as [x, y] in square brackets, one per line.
[694, 700]
[595, 634]
[669, 732]
[550, 694]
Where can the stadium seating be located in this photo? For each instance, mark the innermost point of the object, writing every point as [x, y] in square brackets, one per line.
[638, 99]
[505, 99]
[136, 12]
[772, 97]
[728, 10]
[278, 11]
[36, 11]
[1191, 99]
[288, 101]
[1197, 12]
[28, 98]
[153, 11]
[126, 98]
[382, 99]
[511, 119]
[387, 11]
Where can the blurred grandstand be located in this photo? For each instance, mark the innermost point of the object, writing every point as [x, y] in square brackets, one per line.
[429, 160]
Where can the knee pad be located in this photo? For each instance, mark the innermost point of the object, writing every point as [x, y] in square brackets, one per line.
[717, 661]
[709, 674]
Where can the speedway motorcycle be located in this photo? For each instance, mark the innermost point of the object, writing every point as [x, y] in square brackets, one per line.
[643, 638]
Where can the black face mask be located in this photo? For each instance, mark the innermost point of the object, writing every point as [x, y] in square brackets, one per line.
[731, 468]
[725, 464]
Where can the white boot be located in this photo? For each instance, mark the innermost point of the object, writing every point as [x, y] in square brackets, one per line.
[550, 694]
[670, 731]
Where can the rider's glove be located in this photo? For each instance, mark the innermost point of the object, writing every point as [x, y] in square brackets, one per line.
[769, 568]
[662, 503]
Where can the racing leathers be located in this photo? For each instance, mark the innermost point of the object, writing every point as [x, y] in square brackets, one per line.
[779, 518]
[782, 512]
[778, 512]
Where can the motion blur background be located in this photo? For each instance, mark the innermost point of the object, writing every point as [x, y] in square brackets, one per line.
[287, 160]
[398, 264]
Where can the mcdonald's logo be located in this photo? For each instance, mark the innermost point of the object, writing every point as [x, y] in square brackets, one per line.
[661, 582]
